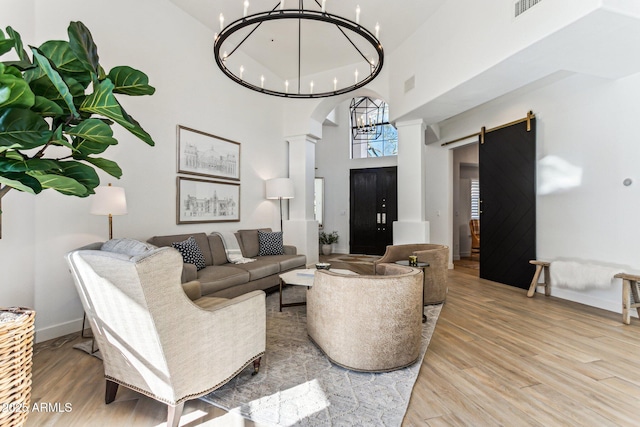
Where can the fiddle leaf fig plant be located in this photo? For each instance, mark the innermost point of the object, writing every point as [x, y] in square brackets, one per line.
[57, 108]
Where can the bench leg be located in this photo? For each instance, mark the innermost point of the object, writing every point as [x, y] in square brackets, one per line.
[534, 282]
[547, 281]
[626, 301]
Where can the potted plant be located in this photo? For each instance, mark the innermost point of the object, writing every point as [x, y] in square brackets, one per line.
[61, 97]
[328, 239]
[56, 112]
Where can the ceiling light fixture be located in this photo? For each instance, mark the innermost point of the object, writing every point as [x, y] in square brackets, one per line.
[365, 50]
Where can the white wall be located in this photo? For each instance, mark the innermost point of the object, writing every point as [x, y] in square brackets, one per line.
[176, 52]
[590, 123]
[334, 164]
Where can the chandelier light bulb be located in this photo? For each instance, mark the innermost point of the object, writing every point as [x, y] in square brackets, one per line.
[356, 74]
[335, 83]
[262, 82]
[281, 4]
[377, 30]
[241, 71]
[324, 6]
[311, 87]
[246, 8]
[286, 86]
[224, 56]
[221, 22]
[358, 14]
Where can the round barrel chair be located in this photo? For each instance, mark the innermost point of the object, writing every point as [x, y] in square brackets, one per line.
[435, 276]
[370, 323]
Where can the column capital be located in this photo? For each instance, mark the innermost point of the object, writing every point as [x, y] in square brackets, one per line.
[415, 122]
[302, 138]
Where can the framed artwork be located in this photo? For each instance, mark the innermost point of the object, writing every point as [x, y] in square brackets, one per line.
[200, 153]
[200, 201]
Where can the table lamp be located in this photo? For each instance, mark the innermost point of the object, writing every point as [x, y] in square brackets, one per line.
[109, 201]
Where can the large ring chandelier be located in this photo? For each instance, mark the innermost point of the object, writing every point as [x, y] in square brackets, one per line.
[365, 52]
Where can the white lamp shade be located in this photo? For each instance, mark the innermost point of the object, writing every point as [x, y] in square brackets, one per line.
[109, 201]
[280, 188]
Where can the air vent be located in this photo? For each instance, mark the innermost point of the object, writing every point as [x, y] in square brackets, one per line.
[524, 5]
[409, 84]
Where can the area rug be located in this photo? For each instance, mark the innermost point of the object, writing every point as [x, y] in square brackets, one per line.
[355, 259]
[298, 386]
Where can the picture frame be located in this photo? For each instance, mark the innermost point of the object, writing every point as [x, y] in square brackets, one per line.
[202, 201]
[204, 154]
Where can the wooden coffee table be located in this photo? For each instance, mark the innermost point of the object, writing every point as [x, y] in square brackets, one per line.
[302, 278]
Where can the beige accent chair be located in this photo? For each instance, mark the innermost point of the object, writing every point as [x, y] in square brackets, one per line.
[153, 338]
[367, 323]
[435, 276]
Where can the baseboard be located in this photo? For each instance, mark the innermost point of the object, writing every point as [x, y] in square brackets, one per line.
[580, 297]
[55, 331]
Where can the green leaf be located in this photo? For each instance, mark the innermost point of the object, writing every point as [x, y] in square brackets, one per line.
[130, 81]
[21, 182]
[84, 174]
[56, 79]
[62, 184]
[5, 46]
[93, 136]
[108, 166]
[21, 95]
[46, 107]
[45, 88]
[17, 44]
[102, 102]
[82, 44]
[23, 129]
[15, 165]
[60, 53]
[5, 93]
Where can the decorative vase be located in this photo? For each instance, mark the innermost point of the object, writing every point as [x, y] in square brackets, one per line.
[16, 352]
[326, 249]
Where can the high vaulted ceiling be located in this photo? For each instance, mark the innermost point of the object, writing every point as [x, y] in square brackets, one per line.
[275, 45]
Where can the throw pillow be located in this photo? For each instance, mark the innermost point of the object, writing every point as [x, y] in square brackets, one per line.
[270, 243]
[191, 253]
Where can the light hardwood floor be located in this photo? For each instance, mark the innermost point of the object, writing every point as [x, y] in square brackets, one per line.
[496, 358]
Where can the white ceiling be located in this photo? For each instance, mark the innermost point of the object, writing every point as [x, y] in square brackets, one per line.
[275, 44]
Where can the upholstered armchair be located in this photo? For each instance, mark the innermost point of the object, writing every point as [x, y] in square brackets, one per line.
[367, 323]
[435, 276]
[153, 338]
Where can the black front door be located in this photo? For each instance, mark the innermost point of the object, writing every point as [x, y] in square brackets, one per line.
[508, 205]
[373, 208]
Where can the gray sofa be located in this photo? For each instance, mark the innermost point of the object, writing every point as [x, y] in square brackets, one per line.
[222, 279]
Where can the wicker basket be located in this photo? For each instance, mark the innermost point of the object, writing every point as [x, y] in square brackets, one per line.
[16, 351]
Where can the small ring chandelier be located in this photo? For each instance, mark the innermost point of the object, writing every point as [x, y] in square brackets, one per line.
[353, 32]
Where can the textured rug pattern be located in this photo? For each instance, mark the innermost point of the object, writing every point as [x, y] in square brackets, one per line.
[298, 386]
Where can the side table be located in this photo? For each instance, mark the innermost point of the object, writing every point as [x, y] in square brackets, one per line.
[422, 266]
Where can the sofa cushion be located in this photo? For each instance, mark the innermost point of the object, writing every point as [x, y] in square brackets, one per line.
[126, 246]
[249, 242]
[201, 239]
[218, 277]
[191, 253]
[286, 262]
[260, 268]
[217, 249]
[270, 243]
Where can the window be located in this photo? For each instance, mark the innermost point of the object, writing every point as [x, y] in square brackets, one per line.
[475, 198]
[371, 133]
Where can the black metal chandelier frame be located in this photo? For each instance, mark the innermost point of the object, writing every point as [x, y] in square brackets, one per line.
[300, 14]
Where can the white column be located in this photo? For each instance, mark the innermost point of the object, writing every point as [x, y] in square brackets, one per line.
[411, 226]
[301, 230]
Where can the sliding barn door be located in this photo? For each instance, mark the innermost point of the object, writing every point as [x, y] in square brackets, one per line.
[508, 204]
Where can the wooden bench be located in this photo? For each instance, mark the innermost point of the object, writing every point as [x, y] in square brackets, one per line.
[540, 266]
[629, 288]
